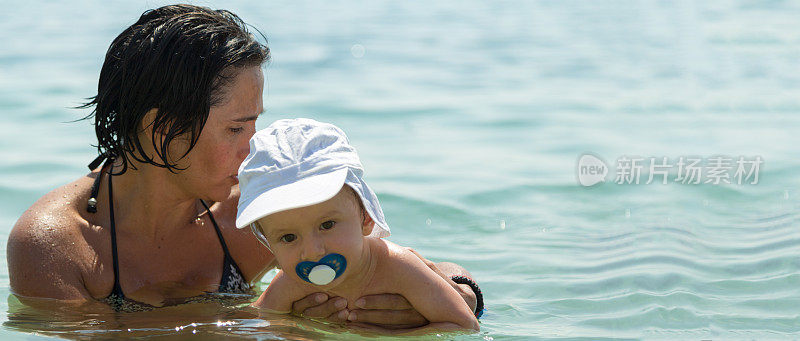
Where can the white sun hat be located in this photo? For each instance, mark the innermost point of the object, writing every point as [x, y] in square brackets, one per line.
[301, 162]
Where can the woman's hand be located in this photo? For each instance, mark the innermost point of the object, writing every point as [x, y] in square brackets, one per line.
[319, 306]
[390, 311]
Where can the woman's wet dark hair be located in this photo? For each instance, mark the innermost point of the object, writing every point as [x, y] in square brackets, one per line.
[177, 59]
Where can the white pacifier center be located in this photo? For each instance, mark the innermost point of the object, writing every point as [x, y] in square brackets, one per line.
[321, 274]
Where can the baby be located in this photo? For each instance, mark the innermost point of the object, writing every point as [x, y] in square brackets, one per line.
[303, 196]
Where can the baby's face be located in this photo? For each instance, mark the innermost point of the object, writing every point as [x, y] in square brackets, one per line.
[309, 233]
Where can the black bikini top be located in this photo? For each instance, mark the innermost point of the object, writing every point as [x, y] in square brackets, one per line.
[232, 280]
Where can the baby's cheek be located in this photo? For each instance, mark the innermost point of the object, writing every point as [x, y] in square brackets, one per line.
[350, 248]
[291, 272]
[287, 263]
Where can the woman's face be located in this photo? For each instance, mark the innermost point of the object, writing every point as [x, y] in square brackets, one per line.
[212, 165]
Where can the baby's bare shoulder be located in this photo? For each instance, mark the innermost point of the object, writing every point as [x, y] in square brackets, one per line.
[396, 257]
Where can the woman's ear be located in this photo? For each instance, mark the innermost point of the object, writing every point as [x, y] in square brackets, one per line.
[146, 125]
[367, 224]
[146, 137]
[152, 138]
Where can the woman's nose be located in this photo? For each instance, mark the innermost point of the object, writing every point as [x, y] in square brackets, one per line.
[242, 152]
[244, 143]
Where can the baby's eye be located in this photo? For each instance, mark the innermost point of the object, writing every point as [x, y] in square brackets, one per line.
[327, 225]
[288, 238]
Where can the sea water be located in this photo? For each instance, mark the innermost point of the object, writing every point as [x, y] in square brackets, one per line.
[470, 118]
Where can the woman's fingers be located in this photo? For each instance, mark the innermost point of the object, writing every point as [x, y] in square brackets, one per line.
[339, 316]
[318, 305]
[386, 310]
[408, 318]
[315, 299]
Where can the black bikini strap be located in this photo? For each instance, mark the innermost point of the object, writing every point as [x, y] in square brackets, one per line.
[97, 161]
[117, 287]
[216, 228]
[91, 206]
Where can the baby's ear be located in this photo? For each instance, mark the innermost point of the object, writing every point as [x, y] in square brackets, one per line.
[367, 225]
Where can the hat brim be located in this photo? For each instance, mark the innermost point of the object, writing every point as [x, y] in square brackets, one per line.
[304, 192]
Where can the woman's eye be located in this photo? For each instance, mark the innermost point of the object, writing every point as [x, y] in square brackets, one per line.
[288, 238]
[327, 225]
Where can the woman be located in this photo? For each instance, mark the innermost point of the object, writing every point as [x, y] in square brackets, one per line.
[177, 101]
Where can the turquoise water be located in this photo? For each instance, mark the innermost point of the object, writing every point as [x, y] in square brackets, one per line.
[469, 118]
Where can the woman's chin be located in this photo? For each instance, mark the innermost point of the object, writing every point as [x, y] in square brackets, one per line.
[219, 195]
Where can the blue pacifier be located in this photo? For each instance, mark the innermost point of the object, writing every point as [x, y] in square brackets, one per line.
[324, 271]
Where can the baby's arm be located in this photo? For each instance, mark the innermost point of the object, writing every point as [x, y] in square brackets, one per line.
[280, 294]
[430, 294]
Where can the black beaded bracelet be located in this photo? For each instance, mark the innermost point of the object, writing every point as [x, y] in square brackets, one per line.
[478, 294]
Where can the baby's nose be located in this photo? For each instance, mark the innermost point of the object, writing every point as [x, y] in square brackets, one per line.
[313, 250]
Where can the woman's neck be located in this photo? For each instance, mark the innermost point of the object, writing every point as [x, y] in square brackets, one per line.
[149, 204]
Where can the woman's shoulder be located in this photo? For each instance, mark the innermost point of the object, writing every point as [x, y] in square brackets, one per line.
[58, 210]
[47, 237]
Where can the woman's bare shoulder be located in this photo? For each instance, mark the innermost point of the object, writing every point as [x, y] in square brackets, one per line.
[45, 242]
[56, 212]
